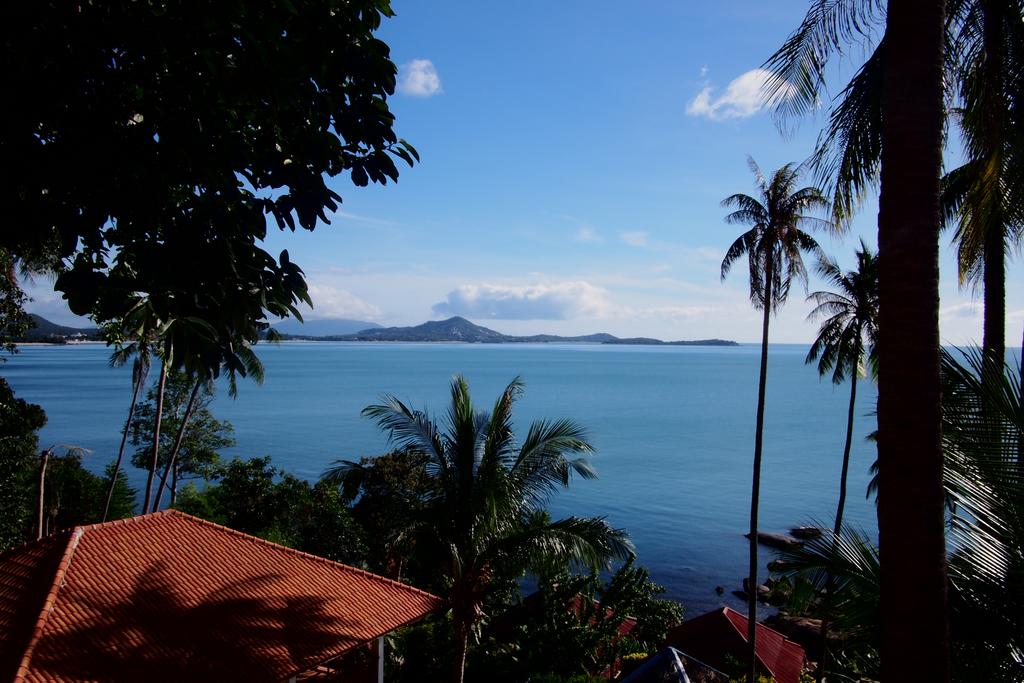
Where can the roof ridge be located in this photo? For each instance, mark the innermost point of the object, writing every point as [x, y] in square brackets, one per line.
[135, 519]
[48, 603]
[763, 625]
[293, 551]
[756, 647]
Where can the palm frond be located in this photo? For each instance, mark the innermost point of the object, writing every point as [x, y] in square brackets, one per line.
[407, 428]
[798, 67]
[586, 541]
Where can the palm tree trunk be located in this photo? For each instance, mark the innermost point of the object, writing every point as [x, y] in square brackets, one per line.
[124, 440]
[174, 485]
[839, 521]
[156, 435]
[846, 455]
[994, 103]
[171, 461]
[755, 492]
[461, 646]
[42, 490]
[914, 632]
[994, 332]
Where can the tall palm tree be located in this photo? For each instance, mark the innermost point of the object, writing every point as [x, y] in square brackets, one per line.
[845, 346]
[915, 635]
[983, 420]
[139, 351]
[983, 197]
[846, 341]
[886, 131]
[484, 514]
[188, 343]
[773, 247]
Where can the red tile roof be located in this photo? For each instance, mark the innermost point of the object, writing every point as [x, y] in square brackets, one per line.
[713, 635]
[168, 596]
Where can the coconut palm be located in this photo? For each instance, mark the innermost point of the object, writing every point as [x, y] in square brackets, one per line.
[138, 351]
[887, 131]
[846, 342]
[773, 247]
[483, 515]
[982, 421]
[845, 346]
[983, 197]
[181, 343]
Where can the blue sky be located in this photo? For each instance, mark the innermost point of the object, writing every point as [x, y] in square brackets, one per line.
[574, 155]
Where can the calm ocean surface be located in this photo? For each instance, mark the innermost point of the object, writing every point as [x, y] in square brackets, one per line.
[673, 427]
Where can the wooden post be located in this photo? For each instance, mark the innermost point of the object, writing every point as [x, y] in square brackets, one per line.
[380, 660]
[42, 490]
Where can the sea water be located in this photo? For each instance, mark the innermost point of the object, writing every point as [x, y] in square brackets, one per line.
[673, 428]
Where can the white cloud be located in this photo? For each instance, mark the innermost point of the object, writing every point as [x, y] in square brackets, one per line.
[419, 78]
[362, 219]
[586, 234]
[677, 313]
[636, 238]
[745, 96]
[703, 71]
[966, 310]
[332, 302]
[560, 301]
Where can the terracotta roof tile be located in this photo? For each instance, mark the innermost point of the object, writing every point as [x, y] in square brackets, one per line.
[172, 597]
[713, 635]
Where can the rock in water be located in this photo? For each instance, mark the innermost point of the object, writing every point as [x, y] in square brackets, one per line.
[805, 532]
[781, 541]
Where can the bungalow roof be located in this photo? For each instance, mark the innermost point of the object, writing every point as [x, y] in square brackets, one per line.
[713, 635]
[168, 596]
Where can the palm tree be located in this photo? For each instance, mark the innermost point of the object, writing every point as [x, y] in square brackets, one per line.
[983, 197]
[983, 420]
[886, 131]
[846, 341]
[915, 636]
[850, 325]
[772, 246]
[139, 352]
[484, 512]
[182, 343]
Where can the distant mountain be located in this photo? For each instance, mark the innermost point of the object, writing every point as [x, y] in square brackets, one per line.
[452, 330]
[325, 327]
[461, 330]
[46, 331]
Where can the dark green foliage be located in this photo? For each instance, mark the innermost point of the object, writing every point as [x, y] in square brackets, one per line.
[75, 496]
[422, 652]
[19, 458]
[151, 135]
[254, 497]
[389, 493]
[14, 321]
[72, 495]
[571, 626]
[204, 434]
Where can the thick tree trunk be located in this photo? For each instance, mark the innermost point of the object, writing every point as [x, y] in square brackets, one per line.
[755, 493]
[172, 460]
[156, 436]
[124, 439]
[914, 631]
